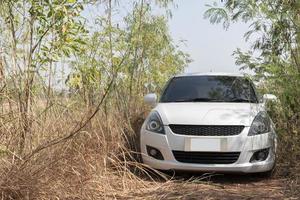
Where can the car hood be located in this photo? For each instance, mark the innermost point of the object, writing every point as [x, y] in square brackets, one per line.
[195, 113]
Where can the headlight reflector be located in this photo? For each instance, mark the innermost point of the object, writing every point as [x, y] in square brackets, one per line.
[260, 125]
[154, 123]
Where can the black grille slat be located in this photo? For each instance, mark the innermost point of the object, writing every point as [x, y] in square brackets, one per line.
[206, 130]
[206, 157]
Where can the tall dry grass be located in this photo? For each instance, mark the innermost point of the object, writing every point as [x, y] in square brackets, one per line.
[101, 161]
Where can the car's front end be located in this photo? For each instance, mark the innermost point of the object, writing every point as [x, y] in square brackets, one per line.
[209, 136]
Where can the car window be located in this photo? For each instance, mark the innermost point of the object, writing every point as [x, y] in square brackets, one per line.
[209, 89]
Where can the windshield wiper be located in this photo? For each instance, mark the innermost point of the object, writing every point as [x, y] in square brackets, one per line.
[198, 100]
[240, 100]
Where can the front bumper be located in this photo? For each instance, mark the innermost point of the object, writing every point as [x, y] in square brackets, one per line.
[242, 143]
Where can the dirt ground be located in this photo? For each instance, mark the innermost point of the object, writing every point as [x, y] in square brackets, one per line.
[217, 187]
[234, 187]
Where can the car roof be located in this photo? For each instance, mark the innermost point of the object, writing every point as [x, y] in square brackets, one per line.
[211, 74]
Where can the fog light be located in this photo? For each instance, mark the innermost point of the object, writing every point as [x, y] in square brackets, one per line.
[260, 155]
[155, 153]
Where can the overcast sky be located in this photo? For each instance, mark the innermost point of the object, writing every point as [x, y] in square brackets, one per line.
[210, 46]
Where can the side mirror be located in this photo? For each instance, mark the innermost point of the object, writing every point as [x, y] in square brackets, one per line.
[150, 99]
[269, 97]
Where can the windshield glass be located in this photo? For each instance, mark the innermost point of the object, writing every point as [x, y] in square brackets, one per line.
[209, 89]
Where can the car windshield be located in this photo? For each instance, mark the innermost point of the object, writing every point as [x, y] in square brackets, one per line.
[209, 89]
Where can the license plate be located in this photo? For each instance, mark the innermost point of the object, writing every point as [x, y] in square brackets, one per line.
[196, 144]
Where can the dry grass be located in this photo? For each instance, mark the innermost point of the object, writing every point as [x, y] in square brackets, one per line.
[102, 162]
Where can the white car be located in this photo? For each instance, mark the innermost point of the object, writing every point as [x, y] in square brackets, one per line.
[209, 122]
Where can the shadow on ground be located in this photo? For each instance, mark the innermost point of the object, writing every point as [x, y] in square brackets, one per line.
[187, 185]
[219, 178]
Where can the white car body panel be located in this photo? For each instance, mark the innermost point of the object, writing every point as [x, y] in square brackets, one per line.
[209, 113]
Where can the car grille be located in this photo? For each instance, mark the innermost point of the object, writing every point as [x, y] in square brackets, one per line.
[206, 157]
[206, 130]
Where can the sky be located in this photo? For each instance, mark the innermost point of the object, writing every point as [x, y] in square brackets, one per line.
[210, 46]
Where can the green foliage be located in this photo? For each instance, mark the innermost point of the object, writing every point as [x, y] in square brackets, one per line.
[140, 52]
[61, 20]
[217, 15]
[36, 33]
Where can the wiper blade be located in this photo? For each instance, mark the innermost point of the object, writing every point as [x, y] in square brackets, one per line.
[198, 100]
[240, 100]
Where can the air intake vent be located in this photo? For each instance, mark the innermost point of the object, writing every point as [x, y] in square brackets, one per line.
[206, 130]
[206, 157]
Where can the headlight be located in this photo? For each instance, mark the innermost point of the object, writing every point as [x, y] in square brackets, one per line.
[261, 124]
[154, 123]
